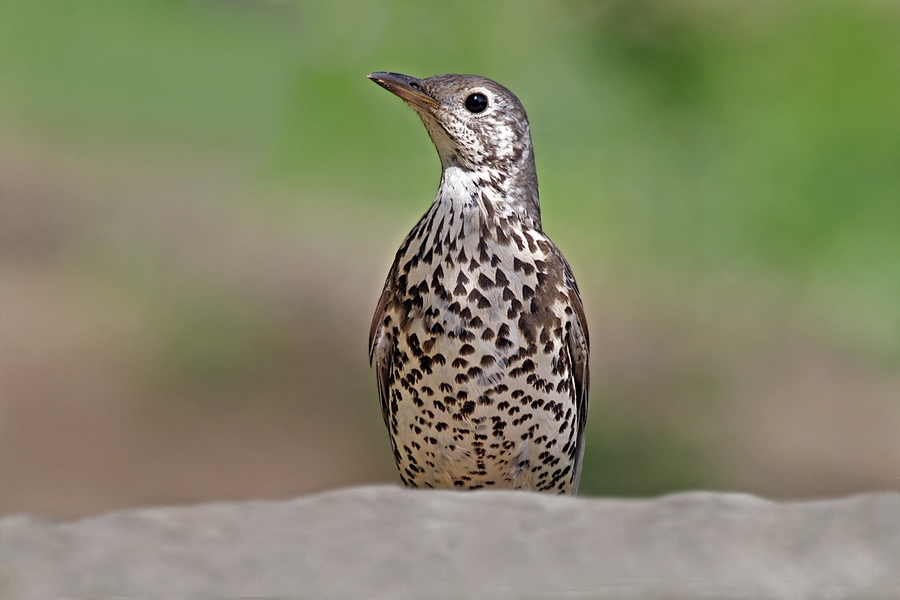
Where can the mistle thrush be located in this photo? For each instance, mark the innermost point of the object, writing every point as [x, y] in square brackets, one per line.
[479, 339]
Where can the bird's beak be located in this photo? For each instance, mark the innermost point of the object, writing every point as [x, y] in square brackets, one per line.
[408, 88]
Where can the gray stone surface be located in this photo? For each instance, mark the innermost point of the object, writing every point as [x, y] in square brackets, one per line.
[386, 542]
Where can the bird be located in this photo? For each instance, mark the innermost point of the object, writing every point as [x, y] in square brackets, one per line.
[479, 340]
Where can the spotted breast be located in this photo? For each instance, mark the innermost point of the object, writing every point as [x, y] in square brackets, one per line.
[479, 340]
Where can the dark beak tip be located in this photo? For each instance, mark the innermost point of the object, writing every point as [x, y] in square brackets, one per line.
[379, 76]
[390, 76]
[406, 87]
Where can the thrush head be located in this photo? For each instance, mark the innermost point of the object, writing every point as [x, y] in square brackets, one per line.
[473, 121]
[477, 125]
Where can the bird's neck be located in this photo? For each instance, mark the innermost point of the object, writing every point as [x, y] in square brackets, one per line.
[489, 198]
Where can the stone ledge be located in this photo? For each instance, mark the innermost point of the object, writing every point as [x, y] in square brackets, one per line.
[386, 542]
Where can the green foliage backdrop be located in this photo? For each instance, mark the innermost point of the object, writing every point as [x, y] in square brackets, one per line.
[723, 170]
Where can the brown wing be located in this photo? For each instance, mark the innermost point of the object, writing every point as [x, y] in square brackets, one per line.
[579, 352]
[381, 352]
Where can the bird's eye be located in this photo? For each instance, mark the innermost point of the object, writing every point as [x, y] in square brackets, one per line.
[476, 102]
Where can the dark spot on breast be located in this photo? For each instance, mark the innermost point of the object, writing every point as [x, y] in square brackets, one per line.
[482, 250]
[500, 279]
[485, 282]
[524, 267]
[503, 343]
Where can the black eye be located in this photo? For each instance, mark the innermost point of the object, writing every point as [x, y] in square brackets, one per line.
[476, 103]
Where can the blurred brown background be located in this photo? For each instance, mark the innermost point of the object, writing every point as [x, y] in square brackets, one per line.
[199, 202]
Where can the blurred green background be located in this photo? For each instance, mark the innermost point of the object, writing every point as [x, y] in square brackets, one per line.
[199, 202]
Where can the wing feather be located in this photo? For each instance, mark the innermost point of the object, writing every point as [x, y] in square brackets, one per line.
[381, 353]
[578, 341]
